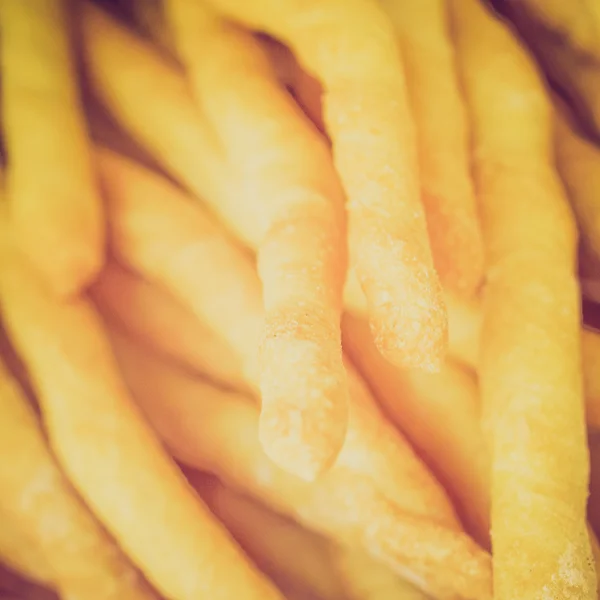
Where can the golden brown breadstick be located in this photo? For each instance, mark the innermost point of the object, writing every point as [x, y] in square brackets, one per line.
[439, 413]
[216, 431]
[84, 562]
[530, 368]
[153, 316]
[442, 140]
[56, 211]
[109, 452]
[286, 170]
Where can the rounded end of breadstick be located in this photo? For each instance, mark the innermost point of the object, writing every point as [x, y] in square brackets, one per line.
[408, 318]
[409, 343]
[302, 442]
[304, 413]
[405, 302]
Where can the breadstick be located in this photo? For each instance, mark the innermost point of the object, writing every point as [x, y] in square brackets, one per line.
[530, 369]
[57, 210]
[439, 413]
[108, 451]
[162, 234]
[154, 317]
[286, 170]
[84, 562]
[216, 431]
[443, 141]
[352, 50]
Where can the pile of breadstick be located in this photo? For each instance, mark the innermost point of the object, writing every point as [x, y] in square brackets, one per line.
[291, 305]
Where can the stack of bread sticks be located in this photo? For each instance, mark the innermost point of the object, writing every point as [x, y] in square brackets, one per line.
[291, 300]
